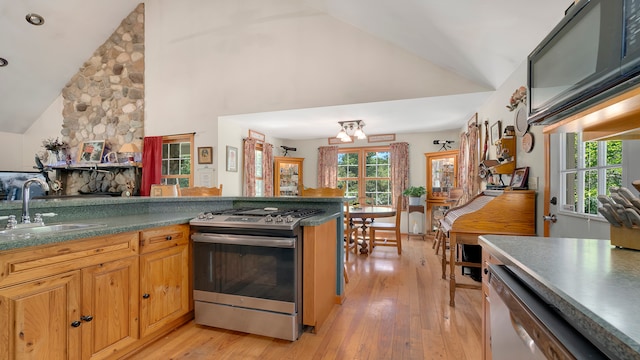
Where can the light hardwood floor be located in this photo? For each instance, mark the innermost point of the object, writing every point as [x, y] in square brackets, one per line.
[397, 307]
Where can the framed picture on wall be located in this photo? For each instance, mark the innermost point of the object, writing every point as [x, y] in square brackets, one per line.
[205, 155]
[232, 158]
[496, 132]
[519, 178]
[91, 151]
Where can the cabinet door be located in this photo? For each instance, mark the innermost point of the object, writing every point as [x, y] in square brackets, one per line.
[164, 287]
[442, 173]
[288, 176]
[41, 319]
[109, 307]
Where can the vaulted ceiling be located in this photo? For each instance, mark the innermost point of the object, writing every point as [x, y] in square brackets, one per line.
[483, 42]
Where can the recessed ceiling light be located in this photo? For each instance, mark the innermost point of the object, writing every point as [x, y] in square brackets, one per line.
[35, 19]
[3, 62]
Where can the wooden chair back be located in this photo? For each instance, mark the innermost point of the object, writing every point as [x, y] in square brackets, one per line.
[165, 190]
[201, 191]
[376, 230]
[322, 192]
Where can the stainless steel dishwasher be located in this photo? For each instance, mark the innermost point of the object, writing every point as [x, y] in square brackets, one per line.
[524, 326]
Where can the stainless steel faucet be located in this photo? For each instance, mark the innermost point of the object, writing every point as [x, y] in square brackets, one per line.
[26, 194]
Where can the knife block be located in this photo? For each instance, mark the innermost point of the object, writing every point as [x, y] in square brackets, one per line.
[625, 237]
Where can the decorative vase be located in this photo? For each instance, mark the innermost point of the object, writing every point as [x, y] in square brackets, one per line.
[52, 158]
[414, 201]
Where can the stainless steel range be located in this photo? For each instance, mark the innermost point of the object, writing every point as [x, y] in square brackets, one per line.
[248, 270]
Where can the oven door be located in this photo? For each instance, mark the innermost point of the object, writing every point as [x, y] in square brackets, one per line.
[247, 271]
[524, 326]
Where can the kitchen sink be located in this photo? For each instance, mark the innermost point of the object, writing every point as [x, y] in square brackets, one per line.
[39, 230]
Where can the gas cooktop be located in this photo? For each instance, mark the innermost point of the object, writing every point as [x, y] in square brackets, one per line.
[266, 218]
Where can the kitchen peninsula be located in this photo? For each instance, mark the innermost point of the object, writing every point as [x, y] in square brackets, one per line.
[131, 276]
[593, 285]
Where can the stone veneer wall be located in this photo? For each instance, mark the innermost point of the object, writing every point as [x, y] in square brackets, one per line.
[104, 100]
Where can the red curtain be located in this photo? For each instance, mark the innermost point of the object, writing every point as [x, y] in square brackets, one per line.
[399, 170]
[328, 166]
[151, 163]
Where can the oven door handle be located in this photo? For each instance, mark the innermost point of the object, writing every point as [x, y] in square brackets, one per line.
[265, 241]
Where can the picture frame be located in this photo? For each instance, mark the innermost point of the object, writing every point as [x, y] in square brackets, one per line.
[91, 151]
[232, 158]
[519, 178]
[381, 138]
[260, 137]
[205, 155]
[496, 132]
[336, 141]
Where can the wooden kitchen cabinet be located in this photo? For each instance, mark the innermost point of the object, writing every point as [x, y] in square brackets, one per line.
[442, 176]
[288, 176]
[85, 298]
[82, 310]
[164, 277]
[320, 269]
[37, 318]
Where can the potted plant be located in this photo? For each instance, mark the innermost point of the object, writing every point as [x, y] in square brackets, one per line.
[414, 193]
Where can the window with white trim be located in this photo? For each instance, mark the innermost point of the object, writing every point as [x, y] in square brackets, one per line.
[587, 169]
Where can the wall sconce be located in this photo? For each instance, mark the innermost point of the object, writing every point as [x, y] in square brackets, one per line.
[350, 129]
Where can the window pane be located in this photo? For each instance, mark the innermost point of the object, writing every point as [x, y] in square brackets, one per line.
[183, 182]
[590, 154]
[350, 187]
[259, 187]
[571, 194]
[174, 167]
[174, 150]
[347, 165]
[165, 167]
[591, 192]
[185, 150]
[614, 178]
[185, 166]
[614, 153]
[572, 150]
[258, 165]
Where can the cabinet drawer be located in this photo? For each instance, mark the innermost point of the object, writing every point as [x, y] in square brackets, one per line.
[163, 237]
[21, 265]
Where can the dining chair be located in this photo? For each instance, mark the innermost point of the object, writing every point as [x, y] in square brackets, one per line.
[165, 190]
[439, 237]
[201, 191]
[322, 192]
[378, 228]
[350, 240]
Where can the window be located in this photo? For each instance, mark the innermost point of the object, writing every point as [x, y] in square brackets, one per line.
[259, 178]
[588, 169]
[365, 172]
[177, 164]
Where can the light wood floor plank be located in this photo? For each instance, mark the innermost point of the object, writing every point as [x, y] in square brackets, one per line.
[397, 307]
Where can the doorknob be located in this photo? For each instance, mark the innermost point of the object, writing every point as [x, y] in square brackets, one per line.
[550, 217]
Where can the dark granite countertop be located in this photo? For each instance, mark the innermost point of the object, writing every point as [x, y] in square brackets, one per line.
[138, 213]
[594, 285]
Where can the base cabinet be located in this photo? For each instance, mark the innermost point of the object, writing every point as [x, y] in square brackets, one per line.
[41, 319]
[97, 298]
[164, 287]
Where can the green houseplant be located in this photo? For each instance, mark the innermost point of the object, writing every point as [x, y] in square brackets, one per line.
[414, 193]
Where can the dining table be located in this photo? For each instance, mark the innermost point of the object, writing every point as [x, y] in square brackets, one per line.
[363, 216]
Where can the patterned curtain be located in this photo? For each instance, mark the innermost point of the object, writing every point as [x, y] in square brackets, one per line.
[328, 166]
[399, 170]
[249, 188]
[267, 169]
[151, 163]
[468, 163]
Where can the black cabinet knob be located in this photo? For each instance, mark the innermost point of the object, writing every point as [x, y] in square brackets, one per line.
[486, 271]
[145, 296]
[76, 323]
[168, 237]
[86, 318]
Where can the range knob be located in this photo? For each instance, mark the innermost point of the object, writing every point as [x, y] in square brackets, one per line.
[288, 219]
[209, 216]
[279, 218]
[202, 216]
[268, 218]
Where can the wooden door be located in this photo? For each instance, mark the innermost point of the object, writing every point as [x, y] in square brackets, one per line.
[41, 319]
[109, 307]
[164, 287]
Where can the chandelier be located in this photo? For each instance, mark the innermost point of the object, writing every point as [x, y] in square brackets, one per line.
[349, 129]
